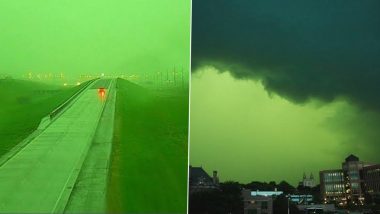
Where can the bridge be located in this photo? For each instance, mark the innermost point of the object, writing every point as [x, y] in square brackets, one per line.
[63, 166]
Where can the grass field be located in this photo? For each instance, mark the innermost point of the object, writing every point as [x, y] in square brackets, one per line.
[149, 157]
[23, 105]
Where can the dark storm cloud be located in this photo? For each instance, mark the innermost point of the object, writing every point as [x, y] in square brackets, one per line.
[299, 48]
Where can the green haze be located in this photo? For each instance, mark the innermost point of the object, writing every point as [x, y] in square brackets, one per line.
[149, 154]
[247, 134]
[23, 105]
[93, 36]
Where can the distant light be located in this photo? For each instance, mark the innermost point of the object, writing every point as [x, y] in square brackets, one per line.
[64, 84]
[78, 83]
[266, 193]
[102, 74]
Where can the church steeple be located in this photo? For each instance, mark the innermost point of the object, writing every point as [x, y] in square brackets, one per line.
[308, 181]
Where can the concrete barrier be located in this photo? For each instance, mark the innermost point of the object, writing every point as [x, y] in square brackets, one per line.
[60, 108]
[45, 122]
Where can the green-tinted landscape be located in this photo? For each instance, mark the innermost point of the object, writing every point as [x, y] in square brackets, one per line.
[144, 41]
[23, 105]
[149, 158]
[91, 37]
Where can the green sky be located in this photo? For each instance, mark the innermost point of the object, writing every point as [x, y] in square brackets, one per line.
[247, 134]
[93, 36]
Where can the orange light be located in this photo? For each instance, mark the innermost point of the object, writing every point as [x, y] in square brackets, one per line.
[102, 92]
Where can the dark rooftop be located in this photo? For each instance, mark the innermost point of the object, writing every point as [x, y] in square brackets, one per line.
[197, 173]
[352, 158]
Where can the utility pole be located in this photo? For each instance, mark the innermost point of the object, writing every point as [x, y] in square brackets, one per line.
[174, 80]
[182, 83]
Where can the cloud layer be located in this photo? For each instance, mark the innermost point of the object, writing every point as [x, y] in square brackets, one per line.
[300, 49]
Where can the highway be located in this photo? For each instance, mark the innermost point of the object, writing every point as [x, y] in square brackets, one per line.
[40, 178]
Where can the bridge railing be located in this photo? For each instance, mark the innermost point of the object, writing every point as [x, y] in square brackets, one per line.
[60, 108]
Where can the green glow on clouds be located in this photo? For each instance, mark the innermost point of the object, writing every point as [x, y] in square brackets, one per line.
[247, 134]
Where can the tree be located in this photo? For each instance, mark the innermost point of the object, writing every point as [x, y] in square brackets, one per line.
[206, 202]
[261, 186]
[227, 199]
[316, 192]
[280, 205]
[232, 197]
[286, 187]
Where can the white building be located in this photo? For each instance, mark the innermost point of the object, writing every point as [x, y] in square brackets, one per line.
[308, 181]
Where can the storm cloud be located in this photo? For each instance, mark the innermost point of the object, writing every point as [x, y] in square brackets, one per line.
[299, 49]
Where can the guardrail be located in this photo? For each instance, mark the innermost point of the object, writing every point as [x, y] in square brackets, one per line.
[59, 109]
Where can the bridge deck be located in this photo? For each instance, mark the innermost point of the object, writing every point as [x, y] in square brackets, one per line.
[39, 178]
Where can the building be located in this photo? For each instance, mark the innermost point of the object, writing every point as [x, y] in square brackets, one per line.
[199, 180]
[301, 199]
[259, 202]
[350, 184]
[371, 180]
[317, 208]
[352, 180]
[307, 181]
[332, 186]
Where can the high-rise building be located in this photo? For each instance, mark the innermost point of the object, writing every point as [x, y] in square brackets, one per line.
[352, 180]
[350, 184]
[332, 186]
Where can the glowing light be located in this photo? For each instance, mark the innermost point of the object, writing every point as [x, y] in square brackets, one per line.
[64, 84]
[78, 83]
[102, 93]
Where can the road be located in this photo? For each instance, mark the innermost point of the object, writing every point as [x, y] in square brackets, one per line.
[40, 177]
[89, 193]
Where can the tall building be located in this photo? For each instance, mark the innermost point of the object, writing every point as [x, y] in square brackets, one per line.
[350, 184]
[332, 186]
[352, 180]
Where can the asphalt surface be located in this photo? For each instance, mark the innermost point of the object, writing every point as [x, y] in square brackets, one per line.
[89, 193]
[41, 176]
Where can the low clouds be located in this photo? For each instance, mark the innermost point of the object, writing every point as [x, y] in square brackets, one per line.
[300, 49]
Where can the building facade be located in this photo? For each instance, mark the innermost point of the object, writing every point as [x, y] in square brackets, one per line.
[350, 185]
[371, 181]
[259, 202]
[307, 181]
[332, 186]
[301, 199]
[352, 180]
[199, 180]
